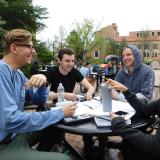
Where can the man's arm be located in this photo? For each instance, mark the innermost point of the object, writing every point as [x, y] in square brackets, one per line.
[89, 87]
[147, 86]
[145, 143]
[67, 95]
[37, 91]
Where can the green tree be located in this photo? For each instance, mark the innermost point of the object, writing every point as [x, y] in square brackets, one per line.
[22, 14]
[122, 44]
[1, 34]
[85, 34]
[99, 44]
[44, 56]
[112, 47]
[43, 53]
[74, 41]
[59, 41]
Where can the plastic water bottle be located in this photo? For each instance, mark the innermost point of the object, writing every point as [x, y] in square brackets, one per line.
[106, 98]
[60, 91]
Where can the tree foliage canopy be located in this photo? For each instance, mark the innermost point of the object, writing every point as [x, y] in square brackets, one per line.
[74, 42]
[81, 38]
[44, 55]
[111, 47]
[22, 14]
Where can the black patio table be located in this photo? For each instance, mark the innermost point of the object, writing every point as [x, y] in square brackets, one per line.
[89, 129]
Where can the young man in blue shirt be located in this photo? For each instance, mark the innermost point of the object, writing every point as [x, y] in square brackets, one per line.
[18, 50]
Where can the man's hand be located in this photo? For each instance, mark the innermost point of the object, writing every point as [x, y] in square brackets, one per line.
[88, 96]
[36, 80]
[69, 110]
[113, 115]
[89, 87]
[70, 96]
[116, 85]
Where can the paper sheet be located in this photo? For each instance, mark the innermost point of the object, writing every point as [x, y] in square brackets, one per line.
[94, 107]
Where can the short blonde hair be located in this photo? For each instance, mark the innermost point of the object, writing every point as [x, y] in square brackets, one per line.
[19, 36]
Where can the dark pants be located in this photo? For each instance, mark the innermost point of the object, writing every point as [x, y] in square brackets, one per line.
[131, 153]
[46, 138]
[18, 149]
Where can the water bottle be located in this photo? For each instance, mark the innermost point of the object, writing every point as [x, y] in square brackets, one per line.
[106, 97]
[60, 91]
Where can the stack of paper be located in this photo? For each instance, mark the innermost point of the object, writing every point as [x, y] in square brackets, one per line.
[94, 107]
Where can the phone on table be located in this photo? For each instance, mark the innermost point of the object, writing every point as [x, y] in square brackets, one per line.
[77, 119]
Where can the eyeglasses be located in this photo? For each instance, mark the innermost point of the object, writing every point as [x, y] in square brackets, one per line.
[30, 46]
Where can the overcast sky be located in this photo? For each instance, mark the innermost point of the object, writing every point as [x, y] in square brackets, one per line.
[129, 15]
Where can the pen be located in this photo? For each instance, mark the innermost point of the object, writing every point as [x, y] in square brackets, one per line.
[102, 117]
[96, 99]
[88, 106]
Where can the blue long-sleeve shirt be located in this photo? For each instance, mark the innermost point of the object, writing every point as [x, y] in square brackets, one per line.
[12, 97]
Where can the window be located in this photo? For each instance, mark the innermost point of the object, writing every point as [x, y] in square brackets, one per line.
[96, 54]
[158, 33]
[155, 46]
[146, 46]
[152, 33]
[147, 54]
[137, 34]
[156, 55]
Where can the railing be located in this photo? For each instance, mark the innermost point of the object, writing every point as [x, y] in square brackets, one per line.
[156, 91]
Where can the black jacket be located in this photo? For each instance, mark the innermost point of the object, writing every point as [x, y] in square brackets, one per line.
[145, 143]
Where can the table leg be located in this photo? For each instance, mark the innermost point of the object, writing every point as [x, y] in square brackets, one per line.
[97, 82]
[94, 152]
[88, 143]
[100, 79]
[102, 147]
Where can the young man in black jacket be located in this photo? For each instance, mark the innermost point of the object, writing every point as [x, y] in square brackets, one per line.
[137, 145]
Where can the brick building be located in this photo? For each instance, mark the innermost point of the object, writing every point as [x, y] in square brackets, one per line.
[147, 41]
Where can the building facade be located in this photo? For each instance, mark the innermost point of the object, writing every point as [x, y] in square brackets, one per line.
[147, 41]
